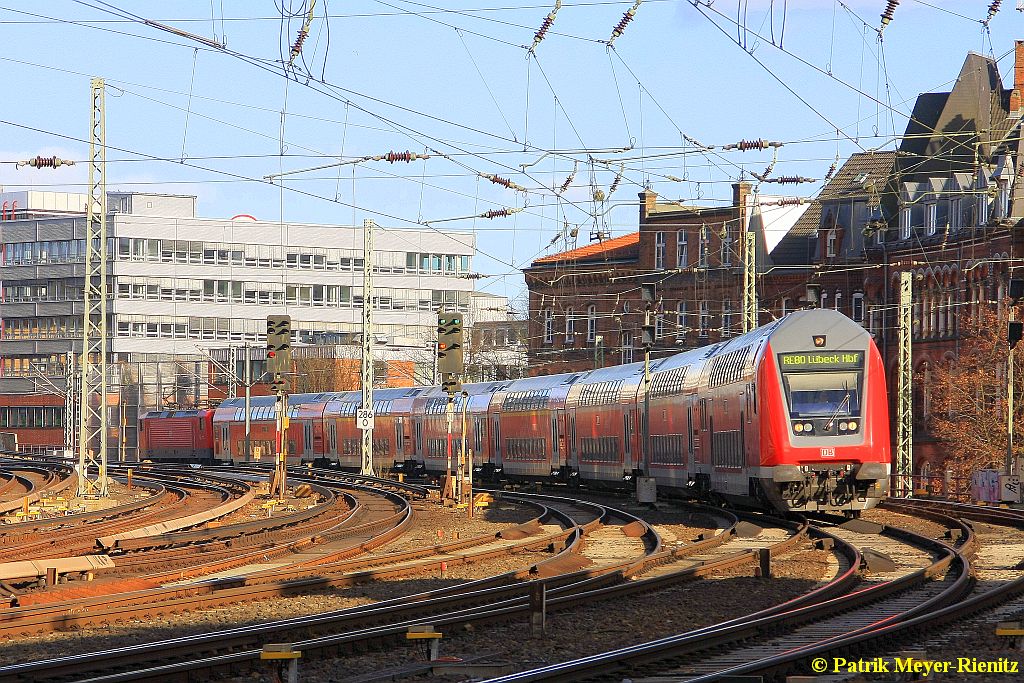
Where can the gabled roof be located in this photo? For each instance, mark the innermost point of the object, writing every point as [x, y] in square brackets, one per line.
[862, 175]
[609, 250]
[944, 128]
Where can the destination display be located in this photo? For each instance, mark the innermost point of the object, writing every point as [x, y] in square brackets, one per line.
[822, 360]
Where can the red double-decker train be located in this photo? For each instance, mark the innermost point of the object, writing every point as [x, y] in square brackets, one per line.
[791, 416]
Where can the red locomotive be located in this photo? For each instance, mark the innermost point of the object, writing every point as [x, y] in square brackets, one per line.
[791, 416]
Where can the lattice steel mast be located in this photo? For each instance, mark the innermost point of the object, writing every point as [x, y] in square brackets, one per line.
[92, 426]
[905, 397]
[366, 450]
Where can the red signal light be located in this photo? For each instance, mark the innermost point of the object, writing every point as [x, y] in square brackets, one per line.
[442, 347]
[271, 354]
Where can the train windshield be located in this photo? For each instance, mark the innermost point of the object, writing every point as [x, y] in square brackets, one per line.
[827, 394]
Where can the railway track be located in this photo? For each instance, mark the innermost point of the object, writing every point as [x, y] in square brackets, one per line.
[480, 602]
[377, 623]
[785, 636]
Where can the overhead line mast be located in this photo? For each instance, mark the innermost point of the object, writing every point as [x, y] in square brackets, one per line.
[92, 426]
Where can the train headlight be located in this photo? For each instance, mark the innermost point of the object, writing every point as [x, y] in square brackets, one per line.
[808, 426]
[798, 427]
[842, 426]
[851, 425]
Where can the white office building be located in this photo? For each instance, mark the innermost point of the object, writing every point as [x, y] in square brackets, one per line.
[180, 284]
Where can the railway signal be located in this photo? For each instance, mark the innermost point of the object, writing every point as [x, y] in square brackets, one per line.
[279, 348]
[450, 361]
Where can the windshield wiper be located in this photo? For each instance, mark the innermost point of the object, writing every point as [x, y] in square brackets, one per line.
[844, 402]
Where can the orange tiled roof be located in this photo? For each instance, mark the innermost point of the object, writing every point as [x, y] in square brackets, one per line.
[592, 249]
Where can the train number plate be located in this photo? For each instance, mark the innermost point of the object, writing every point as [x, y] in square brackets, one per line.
[828, 452]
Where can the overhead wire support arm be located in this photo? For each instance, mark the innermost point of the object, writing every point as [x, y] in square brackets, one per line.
[489, 214]
[390, 157]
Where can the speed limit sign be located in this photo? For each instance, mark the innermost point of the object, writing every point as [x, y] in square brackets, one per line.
[364, 418]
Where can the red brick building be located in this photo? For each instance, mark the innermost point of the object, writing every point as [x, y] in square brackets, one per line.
[946, 205]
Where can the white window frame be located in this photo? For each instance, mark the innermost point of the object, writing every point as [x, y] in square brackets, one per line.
[681, 321]
[905, 223]
[830, 243]
[681, 255]
[549, 326]
[931, 213]
[857, 307]
[725, 257]
[591, 323]
[726, 318]
[570, 325]
[659, 250]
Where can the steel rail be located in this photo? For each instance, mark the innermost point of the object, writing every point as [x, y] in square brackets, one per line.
[188, 648]
[562, 597]
[768, 621]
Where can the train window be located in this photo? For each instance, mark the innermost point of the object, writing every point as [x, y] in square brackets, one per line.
[689, 427]
[823, 393]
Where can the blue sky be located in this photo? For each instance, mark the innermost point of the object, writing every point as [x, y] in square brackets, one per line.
[457, 82]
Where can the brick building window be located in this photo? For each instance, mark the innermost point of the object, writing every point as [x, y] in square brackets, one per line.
[570, 325]
[726, 318]
[858, 307]
[705, 319]
[659, 250]
[832, 243]
[681, 322]
[681, 255]
[931, 214]
[905, 223]
[726, 256]
[627, 347]
[591, 323]
[549, 326]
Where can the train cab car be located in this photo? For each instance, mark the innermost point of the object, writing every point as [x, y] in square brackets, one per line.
[602, 420]
[177, 435]
[528, 427]
[824, 430]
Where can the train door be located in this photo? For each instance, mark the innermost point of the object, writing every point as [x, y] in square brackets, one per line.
[418, 445]
[307, 438]
[556, 455]
[690, 465]
[627, 439]
[225, 441]
[399, 438]
[496, 443]
[332, 437]
[572, 456]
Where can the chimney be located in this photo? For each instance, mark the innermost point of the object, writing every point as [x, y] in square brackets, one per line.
[740, 192]
[1017, 94]
[647, 200]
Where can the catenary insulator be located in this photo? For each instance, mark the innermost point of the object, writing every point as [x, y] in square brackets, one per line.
[626, 18]
[406, 156]
[831, 171]
[745, 145]
[499, 213]
[568, 181]
[45, 162]
[790, 180]
[890, 7]
[618, 179]
[299, 40]
[504, 182]
[992, 10]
